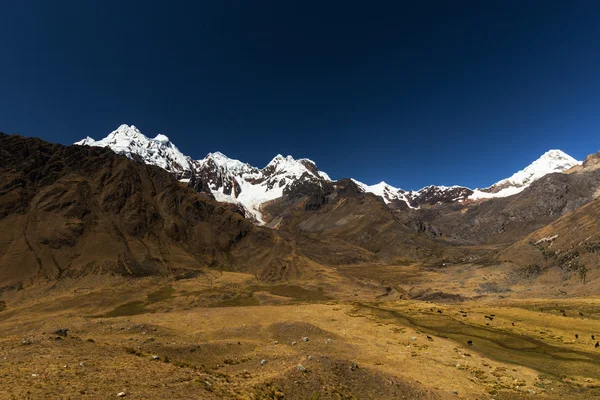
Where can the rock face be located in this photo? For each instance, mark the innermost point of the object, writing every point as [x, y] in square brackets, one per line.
[591, 163]
[78, 210]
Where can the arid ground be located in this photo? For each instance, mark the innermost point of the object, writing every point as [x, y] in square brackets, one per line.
[343, 335]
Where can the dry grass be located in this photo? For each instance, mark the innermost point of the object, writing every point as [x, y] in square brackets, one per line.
[210, 338]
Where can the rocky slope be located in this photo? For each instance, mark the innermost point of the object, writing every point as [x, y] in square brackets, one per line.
[71, 211]
[330, 217]
[506, 219]
[565, 253]
[591, 163]
[78, 210]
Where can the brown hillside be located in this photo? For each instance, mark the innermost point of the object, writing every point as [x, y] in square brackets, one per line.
[566, 251]
[356, 226]
[73, 211]
[508, 219]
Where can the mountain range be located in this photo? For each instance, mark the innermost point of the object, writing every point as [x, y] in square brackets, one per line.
[130, 205]
[251, 188]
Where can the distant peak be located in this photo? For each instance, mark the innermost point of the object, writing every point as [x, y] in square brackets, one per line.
[550, 162]
[557, 155]
[557, 159]
[87, 141]
[555, 151]
[216, 154]
[126, 128]
[221, 160]
[279, 158]
[128, 131]
[218, 157]
[382, 186]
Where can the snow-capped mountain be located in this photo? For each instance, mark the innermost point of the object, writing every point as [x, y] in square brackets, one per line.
[129, 141]
[234, 181]
[254, 187]
[389, 193]
[440, 194]
[414, 199]
[551, 161]
[228, 180]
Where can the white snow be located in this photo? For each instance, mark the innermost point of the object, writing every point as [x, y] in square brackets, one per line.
[547, 239]
[279, 174]
[235, 167]
[551, 161]
[161, 138]
[438, 187]
[128, 140]
[389, 193]
[509, 191]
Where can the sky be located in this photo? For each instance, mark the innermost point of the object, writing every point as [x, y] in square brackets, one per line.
[413, 93]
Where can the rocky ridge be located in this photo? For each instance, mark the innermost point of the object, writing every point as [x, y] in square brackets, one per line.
[251, 188]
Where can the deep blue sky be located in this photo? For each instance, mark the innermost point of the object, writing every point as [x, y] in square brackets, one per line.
[451, 92]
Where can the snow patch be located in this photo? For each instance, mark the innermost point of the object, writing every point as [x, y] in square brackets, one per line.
[547, 239]
[389, 193]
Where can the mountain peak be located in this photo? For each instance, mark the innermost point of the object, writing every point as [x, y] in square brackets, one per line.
[557, 159]
[126, 130]
[235, 167]
[549, 162]
[279, 159]
[555, 153]
[88, 141]
[217, 156]
[383, 186]
[129, 140]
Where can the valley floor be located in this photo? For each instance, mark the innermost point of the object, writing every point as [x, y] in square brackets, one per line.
[341, 336]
